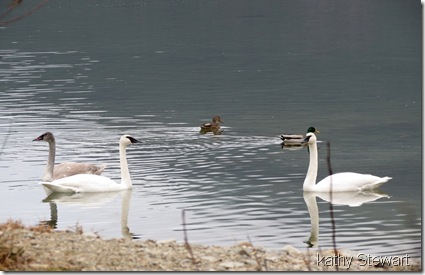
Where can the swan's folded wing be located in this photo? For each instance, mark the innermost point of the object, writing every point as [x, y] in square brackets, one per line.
[83, 183]
[58, 188]
[67, 169]
[376, 184]
[349, 181]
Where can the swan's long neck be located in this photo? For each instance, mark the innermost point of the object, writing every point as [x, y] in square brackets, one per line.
[48, 174]
[310, 178]
[125, 174]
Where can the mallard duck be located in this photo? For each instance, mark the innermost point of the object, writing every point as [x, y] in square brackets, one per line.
[213, 126]
[296, 140]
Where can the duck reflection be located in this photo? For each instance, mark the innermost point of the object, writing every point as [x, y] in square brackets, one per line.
[90, 199]
[292, 147]
[353, 199]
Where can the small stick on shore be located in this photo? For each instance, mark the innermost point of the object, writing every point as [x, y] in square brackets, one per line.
[186, 242]
[259, 268]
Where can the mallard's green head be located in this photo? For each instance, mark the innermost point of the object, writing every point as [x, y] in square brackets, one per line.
[312, 130]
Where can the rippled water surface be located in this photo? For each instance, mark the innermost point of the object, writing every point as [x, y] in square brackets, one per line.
[157, 70]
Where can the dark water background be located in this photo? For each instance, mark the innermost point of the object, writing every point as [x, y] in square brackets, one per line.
[90, 71]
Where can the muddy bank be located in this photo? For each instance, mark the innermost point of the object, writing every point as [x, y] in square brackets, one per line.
[41, 249]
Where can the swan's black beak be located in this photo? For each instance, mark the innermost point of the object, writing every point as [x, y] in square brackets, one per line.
[41, 137]
[133, 140]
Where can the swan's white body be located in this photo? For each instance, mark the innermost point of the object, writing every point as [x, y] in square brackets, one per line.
[65, 169]
[94, 183]
[340, 182]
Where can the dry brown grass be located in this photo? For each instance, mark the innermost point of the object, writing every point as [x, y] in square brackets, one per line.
[42, 228]
[11, 256]
[10, 225]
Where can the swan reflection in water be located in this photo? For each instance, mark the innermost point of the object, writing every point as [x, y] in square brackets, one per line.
[90, 199]
[353, 199]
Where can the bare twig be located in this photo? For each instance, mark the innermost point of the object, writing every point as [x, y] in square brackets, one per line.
[13, 5]
[5, 139]
[306, 259]
[259, 268]
[266, 267]
[328, 159]
[186, 242]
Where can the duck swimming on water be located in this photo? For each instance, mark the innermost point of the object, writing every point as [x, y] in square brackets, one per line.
[213, 126]
[296, 139]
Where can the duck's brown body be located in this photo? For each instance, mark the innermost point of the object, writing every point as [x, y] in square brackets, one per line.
[213, 126]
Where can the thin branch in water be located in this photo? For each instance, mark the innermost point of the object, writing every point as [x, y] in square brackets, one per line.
[13, 5]
[331, 209]
[5, 139]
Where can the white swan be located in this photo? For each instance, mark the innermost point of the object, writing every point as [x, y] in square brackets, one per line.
[95, 183]
[341, 182]
[65, 169]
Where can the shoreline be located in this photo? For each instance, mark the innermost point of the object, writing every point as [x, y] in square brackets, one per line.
[40, 248]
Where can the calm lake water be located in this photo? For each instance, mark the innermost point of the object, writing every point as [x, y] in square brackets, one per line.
[90, 71]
